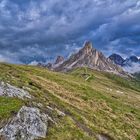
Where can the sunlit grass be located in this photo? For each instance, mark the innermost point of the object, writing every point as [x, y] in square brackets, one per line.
[105, 103]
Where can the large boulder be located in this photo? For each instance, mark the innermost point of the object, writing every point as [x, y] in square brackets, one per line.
[29, 124]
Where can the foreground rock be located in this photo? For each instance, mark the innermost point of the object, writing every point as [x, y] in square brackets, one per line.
[29, 124]
[12, 91]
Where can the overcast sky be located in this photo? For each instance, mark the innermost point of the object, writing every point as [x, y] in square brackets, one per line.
[39, 30]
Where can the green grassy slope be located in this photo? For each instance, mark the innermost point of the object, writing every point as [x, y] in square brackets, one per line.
[8, 107]
[94, 102]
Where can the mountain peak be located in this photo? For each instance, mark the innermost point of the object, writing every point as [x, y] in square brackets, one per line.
[59, 59]
[134, 58]
[91, 58]
[117, 59]
[87, 47]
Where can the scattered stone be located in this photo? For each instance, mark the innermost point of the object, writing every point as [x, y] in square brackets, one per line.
[104, 137]
[114, 97]
[60, 113]
[29, 124]
[12, 91]
[50, 108]
[119, 92]
[40, 105]
[51, 120]
[109, 89]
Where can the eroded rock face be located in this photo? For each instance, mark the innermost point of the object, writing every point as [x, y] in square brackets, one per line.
[29, 124]
[11, 91]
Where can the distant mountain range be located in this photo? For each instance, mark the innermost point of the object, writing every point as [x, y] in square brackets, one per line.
[131, 64]
[117, 59]
[89, 57]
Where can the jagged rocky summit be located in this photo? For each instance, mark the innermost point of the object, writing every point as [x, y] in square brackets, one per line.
[59, 59]
[89, 57]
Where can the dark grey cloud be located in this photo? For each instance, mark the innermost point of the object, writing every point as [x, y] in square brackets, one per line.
[39, 30]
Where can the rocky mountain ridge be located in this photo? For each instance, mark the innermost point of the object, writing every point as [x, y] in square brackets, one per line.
[119, 60]
[89, 57]
[130, 64]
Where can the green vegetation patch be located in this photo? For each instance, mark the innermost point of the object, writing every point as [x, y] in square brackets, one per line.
[9, 107]
[67, 130]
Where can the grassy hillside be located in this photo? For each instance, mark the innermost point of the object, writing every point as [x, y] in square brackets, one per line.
[94, 102]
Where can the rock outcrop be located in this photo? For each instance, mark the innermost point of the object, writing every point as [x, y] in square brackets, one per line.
[12, 91]
[29, 124]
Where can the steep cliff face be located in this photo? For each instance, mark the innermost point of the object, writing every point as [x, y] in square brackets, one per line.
[91, 58]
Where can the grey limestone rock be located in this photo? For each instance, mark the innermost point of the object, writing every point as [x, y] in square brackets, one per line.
[12, 91]
[29, 124]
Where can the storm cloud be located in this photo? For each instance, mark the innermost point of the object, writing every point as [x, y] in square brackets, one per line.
[39, 30]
